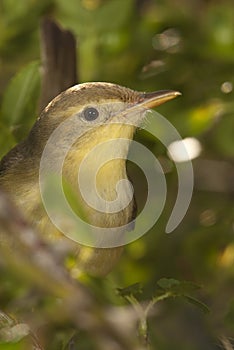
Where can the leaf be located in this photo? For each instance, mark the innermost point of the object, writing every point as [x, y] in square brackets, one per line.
[14, 333]
[13, 23]
[167, 283]
[222, 136]
[197, 303]
[20, 99]
[182, 289]
[177, 287]
[10, 331]
[134, 289]
[85, 20]
[7, 140]
[202, 117]
[229, 317]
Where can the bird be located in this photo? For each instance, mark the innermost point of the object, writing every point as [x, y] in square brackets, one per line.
[85, 116]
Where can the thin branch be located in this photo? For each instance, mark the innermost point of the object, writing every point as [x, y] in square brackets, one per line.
[23, 251]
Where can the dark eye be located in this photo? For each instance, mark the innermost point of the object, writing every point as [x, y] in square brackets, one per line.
[91, 113]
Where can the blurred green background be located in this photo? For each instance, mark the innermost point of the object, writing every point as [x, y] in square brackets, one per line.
[185, 45]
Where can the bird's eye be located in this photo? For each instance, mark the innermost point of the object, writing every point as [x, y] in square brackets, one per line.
[90, 113]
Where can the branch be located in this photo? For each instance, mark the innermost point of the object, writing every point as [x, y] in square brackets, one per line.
[23, 251]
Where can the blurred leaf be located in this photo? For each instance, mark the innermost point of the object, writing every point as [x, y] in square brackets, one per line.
[219, 25]
[168, 283]
[14, 333]
[16, 32]
[202, 117]
[7, 140]
[223, 136]
[197, 303]
[22, 345]
[229, 317]
[14, 9]
[84, 20]
[175, 288]
[102, 29]
[11, 333]
[133, 290]
[20, 99]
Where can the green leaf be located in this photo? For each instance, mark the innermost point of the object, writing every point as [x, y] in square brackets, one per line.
[229, 317]
[177, 287]
[85, 20]
[222, 136]
[167, 283]
[22, 345]
[7, 140]
[134, 289]
[197, 303]
[20, 100]
[14, 9]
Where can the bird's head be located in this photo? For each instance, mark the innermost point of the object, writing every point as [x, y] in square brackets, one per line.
[97, 112]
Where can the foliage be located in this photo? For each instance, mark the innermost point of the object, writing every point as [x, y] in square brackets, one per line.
[147, 45]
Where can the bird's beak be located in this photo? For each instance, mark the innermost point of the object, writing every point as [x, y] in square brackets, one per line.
[154, 99]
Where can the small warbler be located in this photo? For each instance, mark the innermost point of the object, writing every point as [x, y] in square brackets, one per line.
[98, 113]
